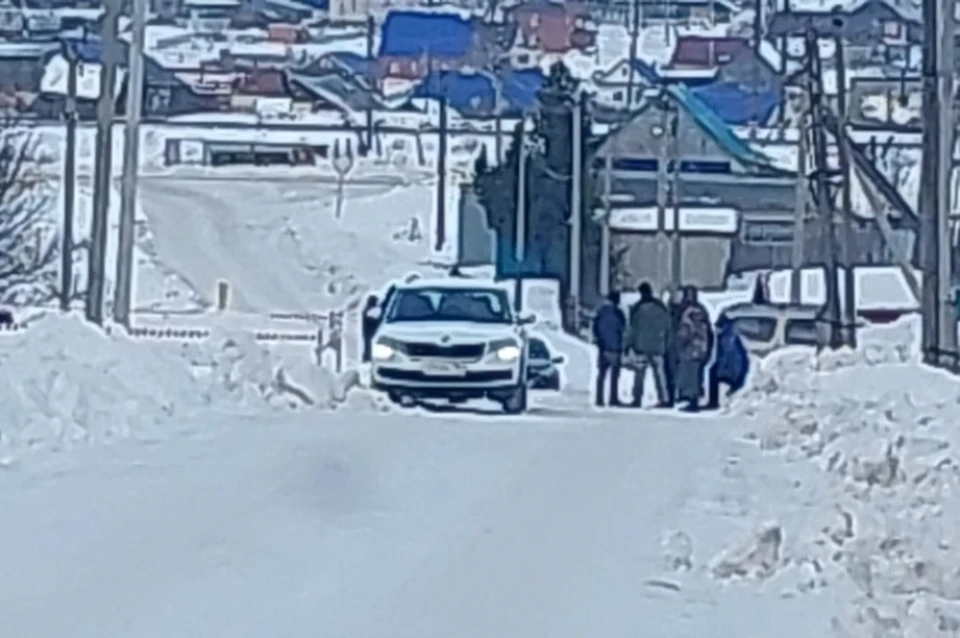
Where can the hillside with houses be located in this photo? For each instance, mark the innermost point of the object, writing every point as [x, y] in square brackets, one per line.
[486, 59]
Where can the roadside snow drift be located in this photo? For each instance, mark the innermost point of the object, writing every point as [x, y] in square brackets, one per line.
[852, 486]
[64, 382]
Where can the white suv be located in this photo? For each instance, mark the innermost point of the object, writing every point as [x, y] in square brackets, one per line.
[454, 339]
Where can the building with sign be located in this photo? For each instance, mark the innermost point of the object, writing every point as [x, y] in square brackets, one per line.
[714, 169]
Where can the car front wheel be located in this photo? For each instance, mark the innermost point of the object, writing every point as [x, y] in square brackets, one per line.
[516, 402]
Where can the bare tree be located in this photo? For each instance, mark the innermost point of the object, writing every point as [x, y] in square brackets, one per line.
[29, 235]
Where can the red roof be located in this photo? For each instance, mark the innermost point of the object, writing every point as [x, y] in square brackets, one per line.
[706, 53]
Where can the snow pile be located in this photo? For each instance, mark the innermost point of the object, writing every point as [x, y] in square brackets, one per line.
[64, 382]
[857, 463]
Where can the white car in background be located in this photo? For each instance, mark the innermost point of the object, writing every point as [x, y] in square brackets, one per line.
[456, 339]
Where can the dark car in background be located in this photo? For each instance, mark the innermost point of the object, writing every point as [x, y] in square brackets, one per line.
[543, 367]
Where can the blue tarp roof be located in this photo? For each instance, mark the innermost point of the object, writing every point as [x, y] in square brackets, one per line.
[714, 126]
[467, 93]
[475, 93]
[521, 88]
[737, 106]
[88, 49]
[410, 34]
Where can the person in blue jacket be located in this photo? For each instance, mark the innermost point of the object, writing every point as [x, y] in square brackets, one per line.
[731, 363]
[609, 328]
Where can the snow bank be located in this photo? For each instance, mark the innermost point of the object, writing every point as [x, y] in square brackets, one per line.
[64, 382]
[854, 481]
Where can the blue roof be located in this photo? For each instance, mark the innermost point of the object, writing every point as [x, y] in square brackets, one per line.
[410, 34]
[713, 126]
[467, 93]
[521, 88]
[737, 106]
[88, 49]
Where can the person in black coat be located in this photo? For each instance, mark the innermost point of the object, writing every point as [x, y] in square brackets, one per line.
[368, 327]
[609, 327]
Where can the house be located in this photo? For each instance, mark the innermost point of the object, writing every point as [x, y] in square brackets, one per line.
[345, 61]
[873, 30]
[611, 86]
[22, 64]
[687, 12]
[355, 11]
[413, 44]
[886, 102]
[720, 172]
[286, 33]
[338, 91]
[210, 16]
[258, 88]
[506, 93]
[553, 28]
[746, 88]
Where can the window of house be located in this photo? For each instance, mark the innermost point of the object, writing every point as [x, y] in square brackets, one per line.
[394, 68]
[618, 96]
[800, 332]
[893, 30]
[759, 329]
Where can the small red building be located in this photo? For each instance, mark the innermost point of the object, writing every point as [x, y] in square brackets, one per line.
[553, 28]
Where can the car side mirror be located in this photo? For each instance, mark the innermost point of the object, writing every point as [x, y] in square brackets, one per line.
[557, 360]
[526, 320]
[374, 313]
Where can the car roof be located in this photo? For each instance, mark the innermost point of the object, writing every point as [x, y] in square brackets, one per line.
[771, 310]
[453, 283]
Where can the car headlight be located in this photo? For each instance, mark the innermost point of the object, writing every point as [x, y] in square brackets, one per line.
[385, 349]
[508, 353]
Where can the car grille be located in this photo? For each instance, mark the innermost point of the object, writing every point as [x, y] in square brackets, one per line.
[483, 376]
[459, 351]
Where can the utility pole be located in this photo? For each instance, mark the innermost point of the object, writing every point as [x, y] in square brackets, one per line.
[939, 320]
[123, 295]
[800, 207]
[371, 29]
[662, 177]
[605, 265]
[849, 307]
[825, 212]
[442, 178]
[576, 203]
[69, 179]
[103, 159]
[520, 231]
[676, 241]
[634, 36]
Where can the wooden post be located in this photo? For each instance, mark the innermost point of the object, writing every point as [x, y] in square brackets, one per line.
[223, 295]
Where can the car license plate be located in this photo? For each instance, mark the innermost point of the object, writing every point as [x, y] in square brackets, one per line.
[440, 369]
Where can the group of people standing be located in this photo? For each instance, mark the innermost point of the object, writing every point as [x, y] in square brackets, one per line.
[676, 342]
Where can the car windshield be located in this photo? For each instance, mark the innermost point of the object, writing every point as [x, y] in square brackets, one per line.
[479, 305]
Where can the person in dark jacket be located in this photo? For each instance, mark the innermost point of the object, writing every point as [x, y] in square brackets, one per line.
[694, 346]
[648, 342]
[731, 363]
[609, 327]
[368, 327]
[673, 303]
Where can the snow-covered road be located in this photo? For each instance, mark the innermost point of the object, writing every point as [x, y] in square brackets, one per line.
[359, 524]
[276, 242]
